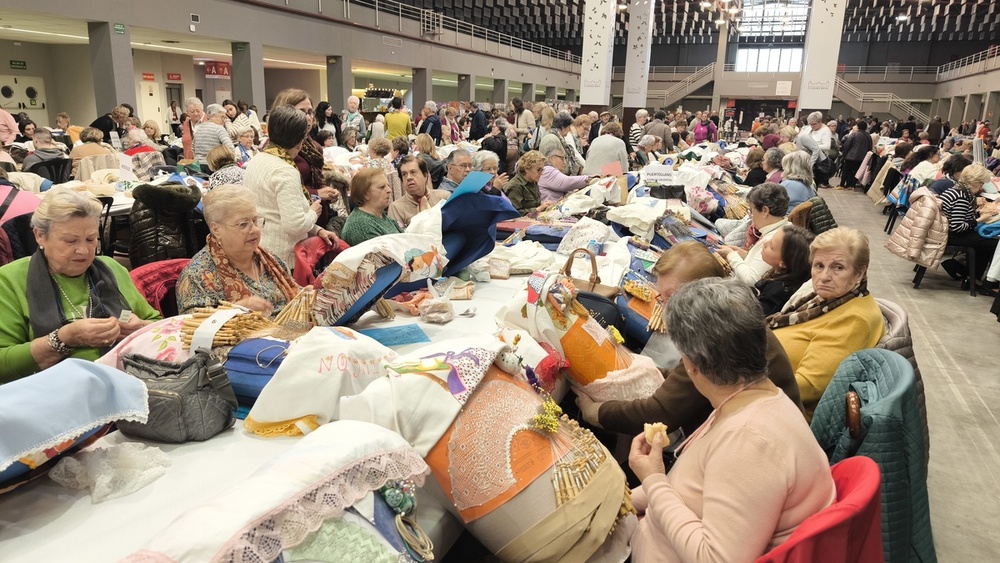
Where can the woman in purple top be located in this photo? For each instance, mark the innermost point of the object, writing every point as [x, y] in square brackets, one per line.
[553, 184]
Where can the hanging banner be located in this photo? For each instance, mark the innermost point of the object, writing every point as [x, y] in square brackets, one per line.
[819, 62]
[640, 33]
[598, 46]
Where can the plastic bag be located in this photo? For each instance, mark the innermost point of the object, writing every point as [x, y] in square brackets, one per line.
[438, 308]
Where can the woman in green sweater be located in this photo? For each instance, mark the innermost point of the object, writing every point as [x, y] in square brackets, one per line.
[65, 301]
[832, 317]
[370, 194]
[523, 190]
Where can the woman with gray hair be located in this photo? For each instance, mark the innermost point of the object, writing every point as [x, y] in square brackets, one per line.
[553, 184]
[488, 162]
[430, 124]
[644, 150]
[768, 207]
[212, 133]
[772, 164]
[65, 300]
[797, 177]
[816, 140]
[754, 455]
[556, 138]
[635, 131]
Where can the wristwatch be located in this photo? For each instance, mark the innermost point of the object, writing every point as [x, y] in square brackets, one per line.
[57, 345]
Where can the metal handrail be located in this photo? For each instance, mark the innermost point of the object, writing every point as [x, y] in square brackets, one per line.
[662, 70]
[685, 84]
[882, 98]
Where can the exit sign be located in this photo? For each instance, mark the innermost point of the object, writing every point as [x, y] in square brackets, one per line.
[19, 65]
[120, 28]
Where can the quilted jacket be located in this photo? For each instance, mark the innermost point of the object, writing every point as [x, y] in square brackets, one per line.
[163, 224]
[891, 436]
[820, 218]
[897, 339]
[922, 235]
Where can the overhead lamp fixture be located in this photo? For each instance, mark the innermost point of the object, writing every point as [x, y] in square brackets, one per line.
[706, 5]
[622, 7]
[720, 22]
[902, 17]
[733, 10]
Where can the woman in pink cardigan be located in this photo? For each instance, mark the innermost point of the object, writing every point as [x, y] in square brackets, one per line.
[553, 184]
[753, 471]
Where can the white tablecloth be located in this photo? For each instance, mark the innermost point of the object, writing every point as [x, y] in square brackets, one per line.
[46, 522]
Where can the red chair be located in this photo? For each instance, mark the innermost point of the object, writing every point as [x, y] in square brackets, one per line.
[312, 256]
[850, 530]
[156, 282]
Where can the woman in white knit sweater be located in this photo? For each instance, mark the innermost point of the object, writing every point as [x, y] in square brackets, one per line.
[289, 215]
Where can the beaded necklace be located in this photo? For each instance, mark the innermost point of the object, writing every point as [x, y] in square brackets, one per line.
[80, 314]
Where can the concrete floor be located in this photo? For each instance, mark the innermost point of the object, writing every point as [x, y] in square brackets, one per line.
[955, 339]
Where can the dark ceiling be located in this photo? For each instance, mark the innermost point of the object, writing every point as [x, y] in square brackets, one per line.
[559, 23]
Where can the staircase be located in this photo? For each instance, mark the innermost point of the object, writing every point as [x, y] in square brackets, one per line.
[692, 82]
[877, 102]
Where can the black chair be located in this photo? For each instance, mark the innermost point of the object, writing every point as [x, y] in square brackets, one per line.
[970, 263]
[106, 203]
[8, 166]
[995, 309]
[57, 169]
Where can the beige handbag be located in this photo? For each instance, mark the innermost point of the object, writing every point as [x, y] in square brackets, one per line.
[593, 285]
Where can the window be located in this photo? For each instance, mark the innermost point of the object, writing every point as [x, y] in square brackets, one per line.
[769, 60]
[773, 17]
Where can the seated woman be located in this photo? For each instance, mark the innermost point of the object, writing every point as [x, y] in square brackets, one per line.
[370, 195]
[92, 140]
[232, 266]
[768, 207]
[489, 162]
[922, 164]
[349, 139]
[26, 131]
[831, 318]
[951, 172]
[787, 252]
[65, 301]
[275, 181]
[797, 177]
[753, 472]
[959, 205]
[222, 162]
[152, 130]
[378, 157]
[553, 184]
[755, 168]
[245, 148]
[644, 150]
[677, 402]
[522, 190]
[419, 196]
[136, 142]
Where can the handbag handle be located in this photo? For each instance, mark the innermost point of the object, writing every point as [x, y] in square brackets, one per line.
[853, 414]
[568, 268]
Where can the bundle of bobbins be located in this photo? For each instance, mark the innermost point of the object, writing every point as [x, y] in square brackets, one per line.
[234, 331]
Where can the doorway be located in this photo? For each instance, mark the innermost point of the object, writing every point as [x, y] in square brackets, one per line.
[151, 103]
[175, 93]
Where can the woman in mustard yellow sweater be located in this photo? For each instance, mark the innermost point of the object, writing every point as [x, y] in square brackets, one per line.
[820, 328]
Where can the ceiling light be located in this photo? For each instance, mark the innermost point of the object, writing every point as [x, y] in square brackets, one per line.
[720, 21]
[902, 17]
[622, 7]
[706, 5]
[733, 10]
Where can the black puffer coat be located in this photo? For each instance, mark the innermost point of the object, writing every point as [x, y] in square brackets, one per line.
[164, 223]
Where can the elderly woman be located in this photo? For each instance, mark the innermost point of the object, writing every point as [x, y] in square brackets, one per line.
[856, 146]
[635, 131]
[606, 149]
[378, 157]
[797, 177]
[377, 128]
[232, 266]
[273, 178]
[644, 150]
[553, 184]
[523, 190]
[152, 130]
[959, 205]
[349, 139]
[756, 174]
[212, 133]
[677, 403]
[370, 195]
[418, 194]
[831, 318]
[768, 207]
[556, 137]
[755, 455]
[92, 140]
[225, 170]
[496, 142]
[65, 301]
[136, 142]
[489, 162]
[816, 140]
[245, 148]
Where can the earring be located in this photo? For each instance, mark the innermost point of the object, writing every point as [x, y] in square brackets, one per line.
[40, 247]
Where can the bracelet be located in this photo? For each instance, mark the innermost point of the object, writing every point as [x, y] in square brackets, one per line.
[57, 345]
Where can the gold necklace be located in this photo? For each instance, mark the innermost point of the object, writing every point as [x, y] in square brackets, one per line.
[80, 314]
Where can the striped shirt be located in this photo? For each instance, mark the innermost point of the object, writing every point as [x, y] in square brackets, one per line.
[207, 136]
[635, 134]
[959, 206]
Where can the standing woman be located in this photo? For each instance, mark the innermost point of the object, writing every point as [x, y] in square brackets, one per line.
[856, 146]
[309, 159]
[326, 120]
[282, 201]
[496, 142]
[635, 132]
[525, 123]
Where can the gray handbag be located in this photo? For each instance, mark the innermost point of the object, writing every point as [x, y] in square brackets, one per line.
[192, 401]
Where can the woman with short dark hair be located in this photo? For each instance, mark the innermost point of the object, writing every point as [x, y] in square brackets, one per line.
[787, 252]
[768, 207]
[370, 194]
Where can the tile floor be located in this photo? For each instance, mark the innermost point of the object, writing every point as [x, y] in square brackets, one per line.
[955, 340]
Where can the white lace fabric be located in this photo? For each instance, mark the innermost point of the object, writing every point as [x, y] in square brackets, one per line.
[111, 472]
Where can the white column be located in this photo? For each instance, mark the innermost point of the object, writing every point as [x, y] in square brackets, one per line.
[822, 48]
[640, 34]
[598, 46]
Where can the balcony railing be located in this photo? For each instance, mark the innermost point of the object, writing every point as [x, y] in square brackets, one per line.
[982, 61]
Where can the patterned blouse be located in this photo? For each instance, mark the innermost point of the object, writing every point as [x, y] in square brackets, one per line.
[191, 292]
[231, 174]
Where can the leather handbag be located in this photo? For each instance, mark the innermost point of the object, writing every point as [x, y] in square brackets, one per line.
[592, 285]
[602, 309]
[668, 192]
[192, 401]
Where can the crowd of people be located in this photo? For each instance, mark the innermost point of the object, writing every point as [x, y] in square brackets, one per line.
[758, 334]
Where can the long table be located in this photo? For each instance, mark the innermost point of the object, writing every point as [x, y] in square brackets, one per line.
[44, 521]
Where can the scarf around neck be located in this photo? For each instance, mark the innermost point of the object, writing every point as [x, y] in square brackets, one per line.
[45, 302]
[231, 284]
[812, 306]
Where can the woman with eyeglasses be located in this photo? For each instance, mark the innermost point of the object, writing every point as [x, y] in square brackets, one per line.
[232, 266]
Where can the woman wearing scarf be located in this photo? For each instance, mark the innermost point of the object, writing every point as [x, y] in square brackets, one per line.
[309, 159]
[65, 301]
[275, 181]
[233, 267]
[831, 318]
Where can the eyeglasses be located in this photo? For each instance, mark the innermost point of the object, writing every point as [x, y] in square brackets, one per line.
[558, 156]
[463, 166]
[244, 226]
